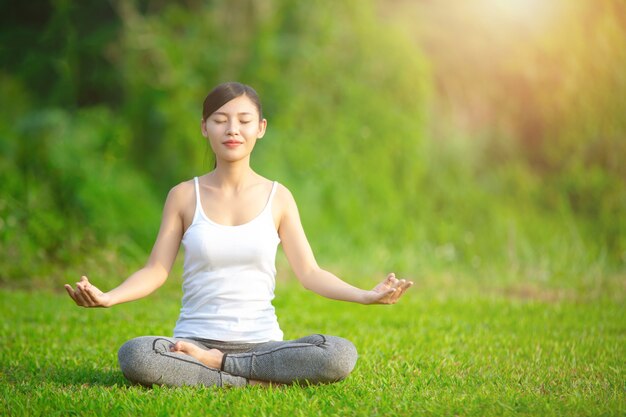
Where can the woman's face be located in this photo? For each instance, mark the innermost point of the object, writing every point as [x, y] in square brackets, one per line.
[233, 129]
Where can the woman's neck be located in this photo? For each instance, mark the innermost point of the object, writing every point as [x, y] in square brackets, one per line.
[234, 176]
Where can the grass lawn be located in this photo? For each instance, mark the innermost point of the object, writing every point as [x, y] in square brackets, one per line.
[452, 350]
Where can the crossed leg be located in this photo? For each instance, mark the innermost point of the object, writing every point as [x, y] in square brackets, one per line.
[313, 359]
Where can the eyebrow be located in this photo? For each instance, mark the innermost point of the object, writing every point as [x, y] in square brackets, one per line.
[244, 113]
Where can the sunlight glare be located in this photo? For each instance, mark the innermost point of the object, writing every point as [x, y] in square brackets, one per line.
[519, 9]
[528, 13]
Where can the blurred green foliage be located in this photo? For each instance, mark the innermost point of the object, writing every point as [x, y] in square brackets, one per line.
[403, 153]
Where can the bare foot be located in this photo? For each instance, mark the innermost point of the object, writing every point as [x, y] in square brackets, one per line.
[211, 358]
[262, 383]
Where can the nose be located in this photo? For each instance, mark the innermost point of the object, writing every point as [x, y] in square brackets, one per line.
[233, 128]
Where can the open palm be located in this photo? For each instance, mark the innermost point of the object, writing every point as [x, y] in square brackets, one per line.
[389, 290]
[87, 295]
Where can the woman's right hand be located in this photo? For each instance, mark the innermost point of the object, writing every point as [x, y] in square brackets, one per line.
[87, 295]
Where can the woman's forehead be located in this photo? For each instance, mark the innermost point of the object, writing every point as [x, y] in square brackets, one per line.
[238, 105]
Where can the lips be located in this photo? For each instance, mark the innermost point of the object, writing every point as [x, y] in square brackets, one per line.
[232, 143]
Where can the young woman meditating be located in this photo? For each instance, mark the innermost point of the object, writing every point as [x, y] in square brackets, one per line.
[230, 222]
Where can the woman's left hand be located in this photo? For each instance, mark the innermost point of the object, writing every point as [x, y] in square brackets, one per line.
[388, 291]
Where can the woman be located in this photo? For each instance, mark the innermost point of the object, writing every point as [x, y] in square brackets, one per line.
[230, 222]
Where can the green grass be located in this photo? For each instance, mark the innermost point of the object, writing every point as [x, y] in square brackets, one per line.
[450, 349]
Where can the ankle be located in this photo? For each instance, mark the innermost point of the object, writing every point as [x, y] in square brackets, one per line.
[213, 358]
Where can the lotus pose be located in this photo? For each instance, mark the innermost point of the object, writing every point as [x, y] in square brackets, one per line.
[230, 222]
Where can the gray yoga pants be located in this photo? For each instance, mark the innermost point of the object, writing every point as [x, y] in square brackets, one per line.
[314, 359]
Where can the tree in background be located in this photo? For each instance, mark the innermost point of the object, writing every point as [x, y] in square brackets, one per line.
[420, 134]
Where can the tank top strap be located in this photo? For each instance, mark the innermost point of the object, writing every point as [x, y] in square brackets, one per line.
[268, 205]
[274, 188]
[198, 210]
[267, 211]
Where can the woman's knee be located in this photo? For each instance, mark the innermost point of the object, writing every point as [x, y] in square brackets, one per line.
[341, 358]
[136, 359]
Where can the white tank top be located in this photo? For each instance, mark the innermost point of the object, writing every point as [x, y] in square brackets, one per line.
[229, 278]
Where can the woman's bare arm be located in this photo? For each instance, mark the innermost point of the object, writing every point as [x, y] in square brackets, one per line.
[301, 258]
[156, 270]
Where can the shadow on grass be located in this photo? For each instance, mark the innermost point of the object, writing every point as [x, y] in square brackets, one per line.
[86, 376]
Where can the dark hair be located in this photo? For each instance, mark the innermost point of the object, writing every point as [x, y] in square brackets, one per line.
[224, 93]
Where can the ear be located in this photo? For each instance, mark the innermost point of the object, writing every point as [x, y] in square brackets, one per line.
[262, 128]
[203, 128]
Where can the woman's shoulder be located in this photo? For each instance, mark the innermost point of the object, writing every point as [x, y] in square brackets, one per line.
[183, 187]
[283, 195]
[181, 192]
[267, 183]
